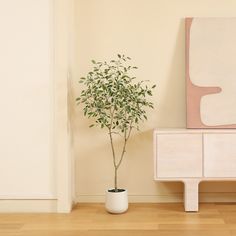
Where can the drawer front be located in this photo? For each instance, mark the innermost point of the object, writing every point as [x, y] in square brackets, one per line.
[220, 155]
[179, 155]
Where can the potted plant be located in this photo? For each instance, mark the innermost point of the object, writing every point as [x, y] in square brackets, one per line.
[115, 102]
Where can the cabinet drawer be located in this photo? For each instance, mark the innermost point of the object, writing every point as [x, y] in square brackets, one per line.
[179, 155]
[220, 155]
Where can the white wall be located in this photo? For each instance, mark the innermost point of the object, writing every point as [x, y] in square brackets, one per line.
[152, 33]
[27, 165]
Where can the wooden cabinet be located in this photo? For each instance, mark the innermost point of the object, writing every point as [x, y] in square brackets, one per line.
[179, 155]
[192, 156]
[219, 155]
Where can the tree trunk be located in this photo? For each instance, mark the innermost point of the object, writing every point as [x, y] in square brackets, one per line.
[116, 189]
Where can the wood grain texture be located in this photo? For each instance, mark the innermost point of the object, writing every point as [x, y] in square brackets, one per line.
[141, 219]
[220, 155]
[191, 195]
[179, 155]
[193, 156]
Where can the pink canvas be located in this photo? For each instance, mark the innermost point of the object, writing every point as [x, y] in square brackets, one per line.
[201, 69]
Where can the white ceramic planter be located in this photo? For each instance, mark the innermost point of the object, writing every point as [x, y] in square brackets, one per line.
[116, 202]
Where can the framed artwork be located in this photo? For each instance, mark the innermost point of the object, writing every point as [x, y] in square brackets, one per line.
[211, 72]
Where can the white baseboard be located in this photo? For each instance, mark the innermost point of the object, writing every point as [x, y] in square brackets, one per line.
[168, 198]
[36, 206]
[46, 206]
[133, 198]
[45, 196]
[217, 197]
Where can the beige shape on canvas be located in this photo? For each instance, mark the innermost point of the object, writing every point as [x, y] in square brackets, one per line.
[212, 64]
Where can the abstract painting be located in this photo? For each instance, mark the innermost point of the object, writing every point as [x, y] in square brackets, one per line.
[211, 72]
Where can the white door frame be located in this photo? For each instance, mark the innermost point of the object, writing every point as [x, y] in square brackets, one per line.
[63, 26]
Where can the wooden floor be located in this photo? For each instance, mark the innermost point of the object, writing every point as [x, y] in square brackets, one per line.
[141, 219]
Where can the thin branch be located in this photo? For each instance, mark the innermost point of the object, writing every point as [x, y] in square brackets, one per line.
[123, 151]
[112, 132]
[130, 129]
[124, 146]
[113, 150]
[111, 139]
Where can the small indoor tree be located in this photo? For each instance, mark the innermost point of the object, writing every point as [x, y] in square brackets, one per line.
[113, 101]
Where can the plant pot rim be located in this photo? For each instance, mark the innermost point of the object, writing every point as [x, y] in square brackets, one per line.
[123, 190]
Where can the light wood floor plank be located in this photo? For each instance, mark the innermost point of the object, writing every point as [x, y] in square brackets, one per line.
[141, 219]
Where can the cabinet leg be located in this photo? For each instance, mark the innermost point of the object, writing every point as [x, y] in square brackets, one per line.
[191, 195]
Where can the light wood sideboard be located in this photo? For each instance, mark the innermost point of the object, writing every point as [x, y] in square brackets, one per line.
[192, 156]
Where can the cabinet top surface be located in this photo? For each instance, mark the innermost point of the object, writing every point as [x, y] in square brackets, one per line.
[187, 131]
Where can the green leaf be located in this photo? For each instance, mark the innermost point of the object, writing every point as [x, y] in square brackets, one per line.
[91, 126]
[111, 98]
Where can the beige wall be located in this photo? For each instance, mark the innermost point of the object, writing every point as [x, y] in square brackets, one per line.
[152, 33]
[26, 100]
[35, 160]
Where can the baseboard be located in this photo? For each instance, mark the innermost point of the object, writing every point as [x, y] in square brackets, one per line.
[168, 198]
[36, 206]
[177, 197]
[47, 206]
[27, 196]
[217, 197]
